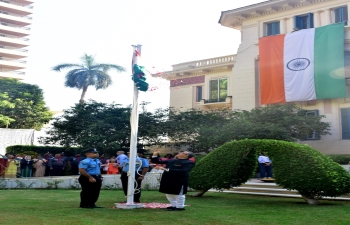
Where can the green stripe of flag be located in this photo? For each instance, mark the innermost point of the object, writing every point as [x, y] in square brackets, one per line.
[329, 62]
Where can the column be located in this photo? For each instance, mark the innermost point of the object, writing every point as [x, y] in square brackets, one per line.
[291, 25]
[327, 17]
[317, 21]
[283, 28]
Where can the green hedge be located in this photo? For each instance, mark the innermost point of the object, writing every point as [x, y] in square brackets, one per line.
[229, 165]
[33, 150]
[295, 166]
[341, 159]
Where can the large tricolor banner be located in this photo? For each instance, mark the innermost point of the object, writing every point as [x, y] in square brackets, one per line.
[303, 65]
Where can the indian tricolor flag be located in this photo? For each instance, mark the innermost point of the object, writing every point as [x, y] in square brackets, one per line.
[303, 65]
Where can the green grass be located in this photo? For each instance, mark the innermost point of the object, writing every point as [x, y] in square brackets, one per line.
[60, 207]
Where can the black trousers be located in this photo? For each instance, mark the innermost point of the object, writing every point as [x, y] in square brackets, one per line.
[89, 191]
[57, 171]
[74, 170]
[124, 178]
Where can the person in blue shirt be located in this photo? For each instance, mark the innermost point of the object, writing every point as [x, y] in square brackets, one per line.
[90, 179]
[142, 167]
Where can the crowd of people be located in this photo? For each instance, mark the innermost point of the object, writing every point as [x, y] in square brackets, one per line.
[13, 166]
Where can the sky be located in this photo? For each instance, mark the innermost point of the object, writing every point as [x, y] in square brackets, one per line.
[170, 32]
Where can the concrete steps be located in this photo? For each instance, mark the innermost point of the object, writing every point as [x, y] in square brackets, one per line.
[258, 187]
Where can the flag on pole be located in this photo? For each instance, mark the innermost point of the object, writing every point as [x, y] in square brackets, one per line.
[303, 65]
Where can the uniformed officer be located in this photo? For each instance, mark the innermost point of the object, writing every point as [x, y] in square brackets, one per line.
[90, 179]
[141, 168]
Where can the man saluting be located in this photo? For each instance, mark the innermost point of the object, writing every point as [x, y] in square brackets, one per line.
[90, 179]
[174, 180]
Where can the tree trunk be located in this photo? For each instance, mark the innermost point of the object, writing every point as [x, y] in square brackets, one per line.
[199, 193]
[311, 200]
[83, 94]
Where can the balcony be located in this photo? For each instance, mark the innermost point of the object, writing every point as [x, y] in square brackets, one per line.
[13, 53]
[217, 102]
[218, 61]
[23, 2]
[15, 19]
[13, 74]
[12, 64]
[13, 30]
[15, 7]
[13, 42]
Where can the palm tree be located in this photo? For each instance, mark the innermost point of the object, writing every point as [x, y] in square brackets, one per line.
[89, 73]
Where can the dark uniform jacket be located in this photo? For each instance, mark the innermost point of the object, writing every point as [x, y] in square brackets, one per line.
[177, 177]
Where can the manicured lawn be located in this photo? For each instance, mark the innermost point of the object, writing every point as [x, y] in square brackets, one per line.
[60, 207]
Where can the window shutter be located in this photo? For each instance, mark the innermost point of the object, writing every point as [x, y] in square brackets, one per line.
[310, 20]
[345, 123]
[277, 28]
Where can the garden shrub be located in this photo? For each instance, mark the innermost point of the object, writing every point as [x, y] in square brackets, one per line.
[341, 159]
[33, 150]
[295, 166]
[228, 165]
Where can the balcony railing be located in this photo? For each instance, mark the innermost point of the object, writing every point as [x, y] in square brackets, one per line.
[17, 4]
[230, 59]
[16, 15]
[14, 26]
[215, 100]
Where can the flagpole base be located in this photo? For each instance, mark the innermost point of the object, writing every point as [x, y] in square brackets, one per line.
[129, 206]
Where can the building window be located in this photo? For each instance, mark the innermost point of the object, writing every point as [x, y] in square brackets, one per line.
[345, 123]
[218, 90]
[273, 28]
[341, 14]
[199, 93]
[304, 21]
[312, 135]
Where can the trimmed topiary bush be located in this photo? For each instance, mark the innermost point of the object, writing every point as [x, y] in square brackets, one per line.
[227, 166]
[295, 166]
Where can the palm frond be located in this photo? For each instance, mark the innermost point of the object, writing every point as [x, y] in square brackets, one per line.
[88, 60]
[102, 79]
[106, 67]
[77, 80]
[64, 66]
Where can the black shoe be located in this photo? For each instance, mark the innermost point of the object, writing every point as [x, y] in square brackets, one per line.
[86, 207]
[179, 209]
[95, 206]
[170, 208]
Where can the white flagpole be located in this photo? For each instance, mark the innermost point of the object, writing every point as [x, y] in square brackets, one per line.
[134, 123]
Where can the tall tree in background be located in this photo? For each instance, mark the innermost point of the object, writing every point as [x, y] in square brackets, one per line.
[89, 73]
[203, 131]
[102, 126]
[4, 105]
[22, 105]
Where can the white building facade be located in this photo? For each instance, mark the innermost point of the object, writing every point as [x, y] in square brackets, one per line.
[276, 17]
[15, 17]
